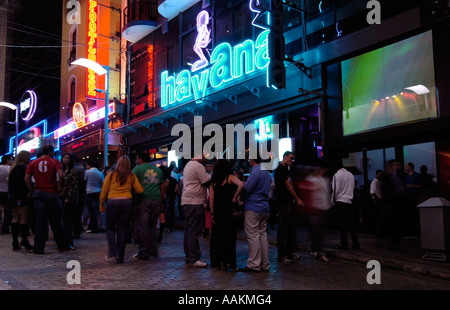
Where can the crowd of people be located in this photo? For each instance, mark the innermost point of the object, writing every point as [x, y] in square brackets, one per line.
[139, 203]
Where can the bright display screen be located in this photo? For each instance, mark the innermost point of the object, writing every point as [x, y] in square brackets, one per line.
[389, 86]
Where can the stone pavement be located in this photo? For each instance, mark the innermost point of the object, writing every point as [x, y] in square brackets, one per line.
[408, 258]
[347, 271]
[20, 270]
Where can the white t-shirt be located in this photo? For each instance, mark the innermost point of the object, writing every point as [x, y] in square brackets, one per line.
[4, 173]
[343, 185]
[375, 188]
[194, 175]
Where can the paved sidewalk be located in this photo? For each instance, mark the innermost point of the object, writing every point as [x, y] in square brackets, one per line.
[408, 258]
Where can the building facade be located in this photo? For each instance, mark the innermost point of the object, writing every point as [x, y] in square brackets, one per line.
[92, 30]
[365, 82]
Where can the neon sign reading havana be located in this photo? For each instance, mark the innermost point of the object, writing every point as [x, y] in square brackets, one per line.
[227, 64]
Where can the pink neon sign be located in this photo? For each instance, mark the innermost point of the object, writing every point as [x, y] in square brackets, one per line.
[202, 41]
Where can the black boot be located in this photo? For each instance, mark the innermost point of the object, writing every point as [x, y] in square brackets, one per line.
[25, 230]
[15, 236]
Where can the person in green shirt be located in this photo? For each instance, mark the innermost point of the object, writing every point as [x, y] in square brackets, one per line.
[149, 205]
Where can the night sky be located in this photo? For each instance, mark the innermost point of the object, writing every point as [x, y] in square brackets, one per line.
[34, 59]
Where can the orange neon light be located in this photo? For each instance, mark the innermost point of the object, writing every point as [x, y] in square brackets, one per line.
[91, 45]
[79, 115]
[150, 101]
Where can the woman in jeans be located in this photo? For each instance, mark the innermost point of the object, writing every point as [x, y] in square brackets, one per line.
[117, 189]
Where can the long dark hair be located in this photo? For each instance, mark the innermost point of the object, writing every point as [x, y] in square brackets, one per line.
[123, 170]
[71, 162]
[221, 170]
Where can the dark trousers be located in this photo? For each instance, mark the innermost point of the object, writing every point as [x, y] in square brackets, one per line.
[347, 222]
[47, 206]
[118, 215]
[170, 213]
[318, 226]
[69, 213]
[78, 214]
[223, 240]
[286, 234]
[93, 205]
[195, 221]
[147, 218]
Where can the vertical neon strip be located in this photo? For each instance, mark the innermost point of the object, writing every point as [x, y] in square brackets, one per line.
[92, 46]
[151, 103]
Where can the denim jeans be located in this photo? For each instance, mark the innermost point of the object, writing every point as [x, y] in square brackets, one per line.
[93, 205]
[195, 220]
[118, 215]
[47, 205]
[147, 218]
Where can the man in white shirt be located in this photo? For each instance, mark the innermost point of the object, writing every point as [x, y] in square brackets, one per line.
[377, 196]
[193, 200]
[343, 185]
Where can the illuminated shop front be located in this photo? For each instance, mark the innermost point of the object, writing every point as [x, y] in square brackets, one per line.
[33, 139]
[84, 136]
[386, 103]
[213, 62]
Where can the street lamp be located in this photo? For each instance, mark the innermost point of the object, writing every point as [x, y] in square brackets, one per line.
[16, 108]
[100, 70]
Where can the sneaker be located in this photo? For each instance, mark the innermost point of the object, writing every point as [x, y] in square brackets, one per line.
[313, 254]
[285, 259]
[198, 264]
[139, 257]
[323, 258]
[295, 256]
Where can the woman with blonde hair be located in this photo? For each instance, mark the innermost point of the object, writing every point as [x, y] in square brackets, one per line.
[117, 189]
[19, 200]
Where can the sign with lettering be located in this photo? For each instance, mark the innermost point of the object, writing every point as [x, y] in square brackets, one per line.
[28, 105]
[227, 64]
[79, 115]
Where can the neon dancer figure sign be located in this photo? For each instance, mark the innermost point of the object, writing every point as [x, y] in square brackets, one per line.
[202, 41]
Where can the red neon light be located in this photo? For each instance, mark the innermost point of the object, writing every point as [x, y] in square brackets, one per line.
[151, 103]
[75, 146]
[153, 151]
[91, 46]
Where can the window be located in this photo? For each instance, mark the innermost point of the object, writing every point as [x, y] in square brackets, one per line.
[173, 57]
[72, 44]
[189, 56]
[242, 23]
[224, 28]
[380, 88]
[73, 90]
